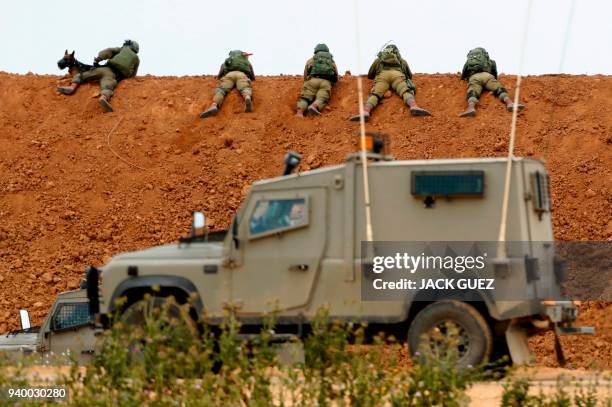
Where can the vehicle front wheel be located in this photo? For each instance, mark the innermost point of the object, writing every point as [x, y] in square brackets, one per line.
[161, 318]
[471, 335]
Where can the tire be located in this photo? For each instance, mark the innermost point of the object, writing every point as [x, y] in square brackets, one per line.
[183, 327]
[475, 337]
[135, 313]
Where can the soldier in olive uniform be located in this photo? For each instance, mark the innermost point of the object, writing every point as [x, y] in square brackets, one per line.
[122, 63]
[236, 71]
[320, 74]
[480, 72]
[390, 70]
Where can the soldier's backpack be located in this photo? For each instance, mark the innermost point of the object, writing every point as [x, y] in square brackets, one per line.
[323, 65]
[237, 61]
[124, 62]
[390, 58]
[478, 61]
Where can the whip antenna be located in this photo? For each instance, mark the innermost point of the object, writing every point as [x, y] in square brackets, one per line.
[501, 248]
[362, 133]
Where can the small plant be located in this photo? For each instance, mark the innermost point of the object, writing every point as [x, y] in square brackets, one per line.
[162, 361]
[439, 380]
[516, 393]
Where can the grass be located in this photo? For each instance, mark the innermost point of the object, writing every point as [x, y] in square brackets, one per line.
[162, 362]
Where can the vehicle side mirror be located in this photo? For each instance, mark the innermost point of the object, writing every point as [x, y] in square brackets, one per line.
[235, 232]
[198, 222]
[25, 319]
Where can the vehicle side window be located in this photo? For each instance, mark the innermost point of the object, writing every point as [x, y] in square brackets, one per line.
[71, 315]
[278, 214]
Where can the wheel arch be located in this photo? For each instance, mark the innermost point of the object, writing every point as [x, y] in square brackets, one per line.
[476, 299]
[136, 288]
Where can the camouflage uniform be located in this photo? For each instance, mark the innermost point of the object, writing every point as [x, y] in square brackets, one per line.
[316, 90]
[105, 74]
[483, 75]
[397, 76]
[123, 62]
[230, 77]
[227, 81]
[479, 80]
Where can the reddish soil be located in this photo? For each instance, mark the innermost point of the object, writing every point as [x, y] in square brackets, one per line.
[67, 201]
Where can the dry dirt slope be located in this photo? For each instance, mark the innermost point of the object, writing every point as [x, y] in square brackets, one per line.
[67, 201]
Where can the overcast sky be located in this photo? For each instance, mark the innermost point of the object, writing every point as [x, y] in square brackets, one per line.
[190, 37]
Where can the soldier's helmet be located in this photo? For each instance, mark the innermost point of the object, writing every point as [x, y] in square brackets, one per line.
[478, 50]
[321, 48]
[391, 48]
[132, 44]
[236, 52]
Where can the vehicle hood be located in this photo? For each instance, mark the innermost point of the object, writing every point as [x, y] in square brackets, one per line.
[184, 251]
[24, 341]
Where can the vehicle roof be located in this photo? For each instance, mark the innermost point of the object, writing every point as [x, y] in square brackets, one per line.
[399, 163]
[81, 293]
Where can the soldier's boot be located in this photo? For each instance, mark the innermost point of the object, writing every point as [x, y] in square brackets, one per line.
[68, 90]
[415, 110]
[313, 109]
[211, 111]
[470, 111]
[510, 106]
[299, 112]
[367, 110]
[105, 103]
[248, 104]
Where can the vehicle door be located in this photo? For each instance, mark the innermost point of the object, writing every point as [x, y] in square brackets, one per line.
[283, 238]
[70, 330]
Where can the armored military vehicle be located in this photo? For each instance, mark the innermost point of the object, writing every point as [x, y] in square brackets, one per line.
[66, 330]
[295, 245]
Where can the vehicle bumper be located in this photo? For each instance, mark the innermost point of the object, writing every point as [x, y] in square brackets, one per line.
[555, 315]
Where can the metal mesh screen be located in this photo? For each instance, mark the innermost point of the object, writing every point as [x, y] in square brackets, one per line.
[71, 315]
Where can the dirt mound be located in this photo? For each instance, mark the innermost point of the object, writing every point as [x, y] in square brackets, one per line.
[67, 200]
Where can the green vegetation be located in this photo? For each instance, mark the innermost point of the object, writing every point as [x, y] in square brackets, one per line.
[156, 358]
[518, 392]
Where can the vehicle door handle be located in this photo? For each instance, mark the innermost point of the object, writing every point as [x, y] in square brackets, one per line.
[298, 267]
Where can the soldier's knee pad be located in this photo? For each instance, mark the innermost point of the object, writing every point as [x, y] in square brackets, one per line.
[410, 86]
[220, 91]
[500, 90]
[472, 94]
[305, 99]
[107, 92]
[378, 97]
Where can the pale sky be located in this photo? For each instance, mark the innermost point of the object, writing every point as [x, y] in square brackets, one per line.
[189, 37]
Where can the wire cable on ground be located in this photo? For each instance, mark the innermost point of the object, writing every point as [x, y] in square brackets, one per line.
[108, 143]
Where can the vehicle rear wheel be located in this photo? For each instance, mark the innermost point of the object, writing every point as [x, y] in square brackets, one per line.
[473, 338]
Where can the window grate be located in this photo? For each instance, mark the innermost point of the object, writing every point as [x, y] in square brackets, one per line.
[541, 201]
[71, 315]
[447, 183]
